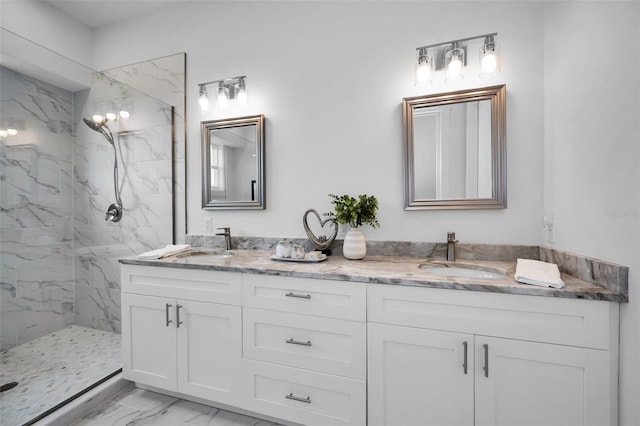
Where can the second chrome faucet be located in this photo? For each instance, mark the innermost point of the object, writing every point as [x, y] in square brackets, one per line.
[227, 237]
[451, 246]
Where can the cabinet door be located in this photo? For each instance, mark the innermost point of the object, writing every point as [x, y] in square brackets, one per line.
[529, 383]
[149, 340]
[417, 377]
[209, 351]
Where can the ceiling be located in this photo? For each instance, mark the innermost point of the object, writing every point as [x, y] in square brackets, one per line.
[97, 13]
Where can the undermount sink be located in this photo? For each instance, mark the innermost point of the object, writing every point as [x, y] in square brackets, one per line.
[214, 254]
[461, 270]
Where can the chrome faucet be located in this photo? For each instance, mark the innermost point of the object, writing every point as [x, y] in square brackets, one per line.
[451, 246]
[227, 237]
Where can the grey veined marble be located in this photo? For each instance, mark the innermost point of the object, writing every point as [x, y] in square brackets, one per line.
[386, 269]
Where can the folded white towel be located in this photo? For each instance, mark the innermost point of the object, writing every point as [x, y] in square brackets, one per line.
[168, 250]
[538, 273]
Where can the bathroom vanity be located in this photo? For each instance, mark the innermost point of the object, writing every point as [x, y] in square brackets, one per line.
[377, 342]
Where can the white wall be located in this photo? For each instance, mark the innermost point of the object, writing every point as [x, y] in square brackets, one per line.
[592, 150]
[47, 26]
[330, 77]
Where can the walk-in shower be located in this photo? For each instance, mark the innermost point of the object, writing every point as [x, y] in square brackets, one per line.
[59, 271]
[99, 124]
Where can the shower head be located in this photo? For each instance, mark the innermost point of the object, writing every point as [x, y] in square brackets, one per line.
[92, 124]
[99, 127]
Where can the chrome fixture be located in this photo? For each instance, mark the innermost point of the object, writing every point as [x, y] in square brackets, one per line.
[99, 124]
[227, 237]
[451, 56]
[229, 89]
[451, 246]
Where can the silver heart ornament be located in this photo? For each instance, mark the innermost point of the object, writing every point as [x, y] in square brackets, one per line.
[320, 242]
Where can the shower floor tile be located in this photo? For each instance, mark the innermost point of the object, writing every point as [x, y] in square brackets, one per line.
[135, 406]
[53, 368]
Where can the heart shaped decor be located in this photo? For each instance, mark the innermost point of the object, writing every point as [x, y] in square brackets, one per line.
[320, 242]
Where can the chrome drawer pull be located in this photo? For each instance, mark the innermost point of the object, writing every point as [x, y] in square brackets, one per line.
[464, 364]
[166, 314]
[178, 322]
[297, 342]
[486, 360]
[299, 296]
[297, 398]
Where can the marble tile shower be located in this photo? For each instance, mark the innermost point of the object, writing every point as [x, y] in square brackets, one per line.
[59, 255]
[36, 215]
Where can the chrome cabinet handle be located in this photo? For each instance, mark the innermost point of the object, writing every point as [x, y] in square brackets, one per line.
[166, 314]
[464, 363]
[297, 398]
[299, 296]
[297, 342]
[178, 322]
[486, 360]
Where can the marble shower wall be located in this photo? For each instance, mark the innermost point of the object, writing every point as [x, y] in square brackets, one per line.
[36, 237]
[144, 144]
[164, 79]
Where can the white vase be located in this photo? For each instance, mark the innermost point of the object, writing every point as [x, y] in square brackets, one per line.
[355, 246]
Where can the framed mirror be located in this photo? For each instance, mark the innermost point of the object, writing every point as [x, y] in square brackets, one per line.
[455, 150]
[233, 163]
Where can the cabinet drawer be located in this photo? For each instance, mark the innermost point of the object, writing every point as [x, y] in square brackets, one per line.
[189, 284]
[334, 299]
[585, 323]
[304, 397]
[326, 345]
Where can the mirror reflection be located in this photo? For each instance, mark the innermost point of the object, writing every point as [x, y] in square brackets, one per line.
[454, 150]
[233, 163]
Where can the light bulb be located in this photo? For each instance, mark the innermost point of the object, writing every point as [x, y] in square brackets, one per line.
[423, 68]
[423, 73]
[242, 92]
[203, 101]
[110, 116]
[124, 115]
[12, 132]
[455, 66]
[489, 63]
[455, 63]
[97, 118]
[488, 57]
[242, 97]
[3, 133]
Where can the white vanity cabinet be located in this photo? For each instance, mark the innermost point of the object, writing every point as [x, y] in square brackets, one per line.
[304, 345]
[175, 334]
[327, 352]
[450, 357]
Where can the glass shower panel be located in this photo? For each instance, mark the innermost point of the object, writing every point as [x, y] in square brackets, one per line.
[59, 272]
[142, 136]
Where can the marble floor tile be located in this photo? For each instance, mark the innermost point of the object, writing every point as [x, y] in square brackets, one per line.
[134, 407]
[53, 368]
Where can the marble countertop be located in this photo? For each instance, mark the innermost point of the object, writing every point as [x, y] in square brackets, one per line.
[391, 270]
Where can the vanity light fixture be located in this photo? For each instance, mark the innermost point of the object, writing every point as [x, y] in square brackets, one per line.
[451, 57]
[229, 90]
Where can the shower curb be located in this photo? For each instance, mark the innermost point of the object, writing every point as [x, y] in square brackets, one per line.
[79, 406]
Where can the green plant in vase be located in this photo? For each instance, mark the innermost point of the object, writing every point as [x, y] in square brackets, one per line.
[354, 212]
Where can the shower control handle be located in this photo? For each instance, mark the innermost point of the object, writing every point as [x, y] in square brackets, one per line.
[166, 314]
